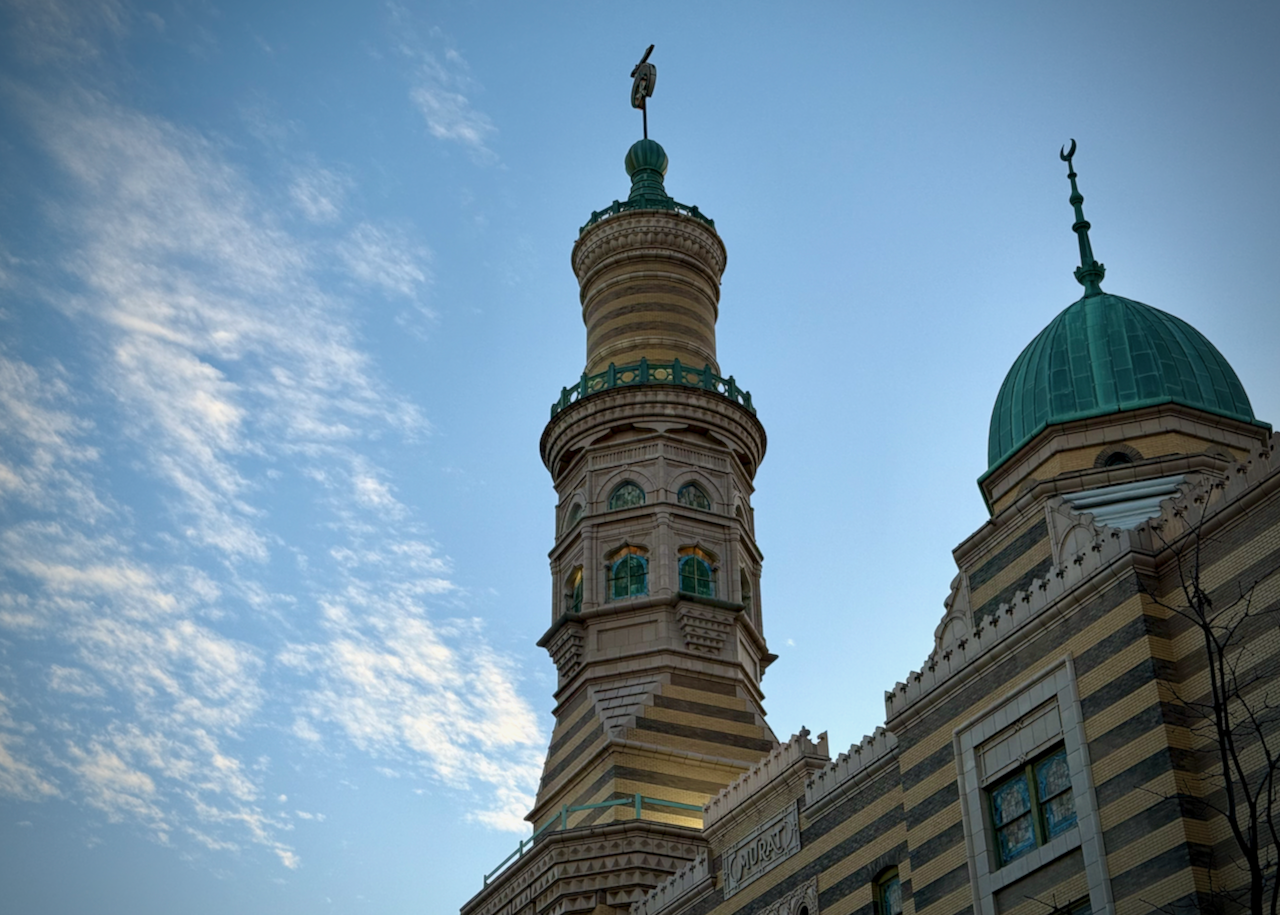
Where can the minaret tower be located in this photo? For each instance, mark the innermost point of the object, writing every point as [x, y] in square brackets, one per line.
[655, 625]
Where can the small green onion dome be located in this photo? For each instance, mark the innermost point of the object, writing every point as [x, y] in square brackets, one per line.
[1106, 354]
[646, 153]
[646, 165]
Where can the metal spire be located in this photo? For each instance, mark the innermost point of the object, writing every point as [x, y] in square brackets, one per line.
[644, 77]
[1090, 273]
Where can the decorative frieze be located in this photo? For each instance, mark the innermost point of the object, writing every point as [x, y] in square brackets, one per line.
[566, 649]
[803, 900]
[1092, 550]
[761, 851]
[860, 758]
[691, 877]
[705, 629]
[779, 761]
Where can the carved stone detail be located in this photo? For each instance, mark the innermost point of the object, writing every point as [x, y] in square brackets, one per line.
[566, 649]
[761, 851]
[802, 898]
[705, 629]
[648, 235]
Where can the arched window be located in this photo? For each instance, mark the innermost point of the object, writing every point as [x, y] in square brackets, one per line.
[628, 575]
[575, 515]
[575, 590]
[744, 580]
[1117, 456]
[696, 574]
[889, 893]
[692, 495]
[626, 495]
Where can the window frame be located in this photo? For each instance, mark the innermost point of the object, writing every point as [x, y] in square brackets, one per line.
[694, 486]
[628, 555]
[620, 488]
[700, 563]
[1055, 683]
[887, 878]
[574, 594]
[1041, 831]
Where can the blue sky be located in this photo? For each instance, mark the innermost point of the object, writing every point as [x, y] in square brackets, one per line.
[285, 297]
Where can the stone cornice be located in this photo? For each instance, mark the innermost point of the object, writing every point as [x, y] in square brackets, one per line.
[605, 856]
[648, 235]
[963, 646]
[1100, 431]
[586, 420]
[780, 761]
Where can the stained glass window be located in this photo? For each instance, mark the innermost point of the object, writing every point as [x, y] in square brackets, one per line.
[696, 577]
[691, 494]
[575, 591]
[1053, 783]
[1032, 806]
[626, 495]
[629, 577]
[889, 893]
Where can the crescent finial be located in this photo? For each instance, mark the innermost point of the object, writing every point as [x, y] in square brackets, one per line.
[1066, 154]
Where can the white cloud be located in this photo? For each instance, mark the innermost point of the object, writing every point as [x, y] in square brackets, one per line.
[387, 261]
[441, 89]
[319, 194]
[218, 362]
[404, 688]
[59, 31]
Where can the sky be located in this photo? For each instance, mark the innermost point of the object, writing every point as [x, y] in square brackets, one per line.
[285, 298]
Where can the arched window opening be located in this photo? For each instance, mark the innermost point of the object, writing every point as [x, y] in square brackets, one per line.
[1117, 456]
[626, 495]
[697, 576]
[575, 590]
[629, 575]
[889, 893]
[744, 580]
[575, 515]
[693, 495]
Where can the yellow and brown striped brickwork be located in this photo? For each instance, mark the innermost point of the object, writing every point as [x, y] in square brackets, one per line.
[1132, 662]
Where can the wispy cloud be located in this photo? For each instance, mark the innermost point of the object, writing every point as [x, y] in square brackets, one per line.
[319, 194]
[442, 89]
[217, 360]
[430, 695]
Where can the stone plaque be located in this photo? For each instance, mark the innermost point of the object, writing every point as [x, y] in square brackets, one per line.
[762, 851]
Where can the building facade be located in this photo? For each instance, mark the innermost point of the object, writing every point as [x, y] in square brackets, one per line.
[1056, 751]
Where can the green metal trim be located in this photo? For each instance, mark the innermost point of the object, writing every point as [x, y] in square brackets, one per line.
[646, 372]
[1104, 354]
[647, 203]
[636, 801]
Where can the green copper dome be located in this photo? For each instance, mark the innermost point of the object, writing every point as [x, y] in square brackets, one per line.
[1105, 354]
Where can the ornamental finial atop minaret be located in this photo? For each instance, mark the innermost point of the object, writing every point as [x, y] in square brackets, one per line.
[644, 77]
[1090, 273]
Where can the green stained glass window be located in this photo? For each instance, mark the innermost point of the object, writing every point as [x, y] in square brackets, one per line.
[1032, 806]
[625, 496]
[696, 577]
[1053, 786]
[889, 893]
[691, 494]
[628, 577]
[575, 591]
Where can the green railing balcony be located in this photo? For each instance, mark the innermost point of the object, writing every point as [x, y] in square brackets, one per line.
[561, 821]
[646, 372]
[648, 202]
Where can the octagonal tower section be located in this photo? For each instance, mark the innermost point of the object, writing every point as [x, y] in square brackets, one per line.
[656, 626]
